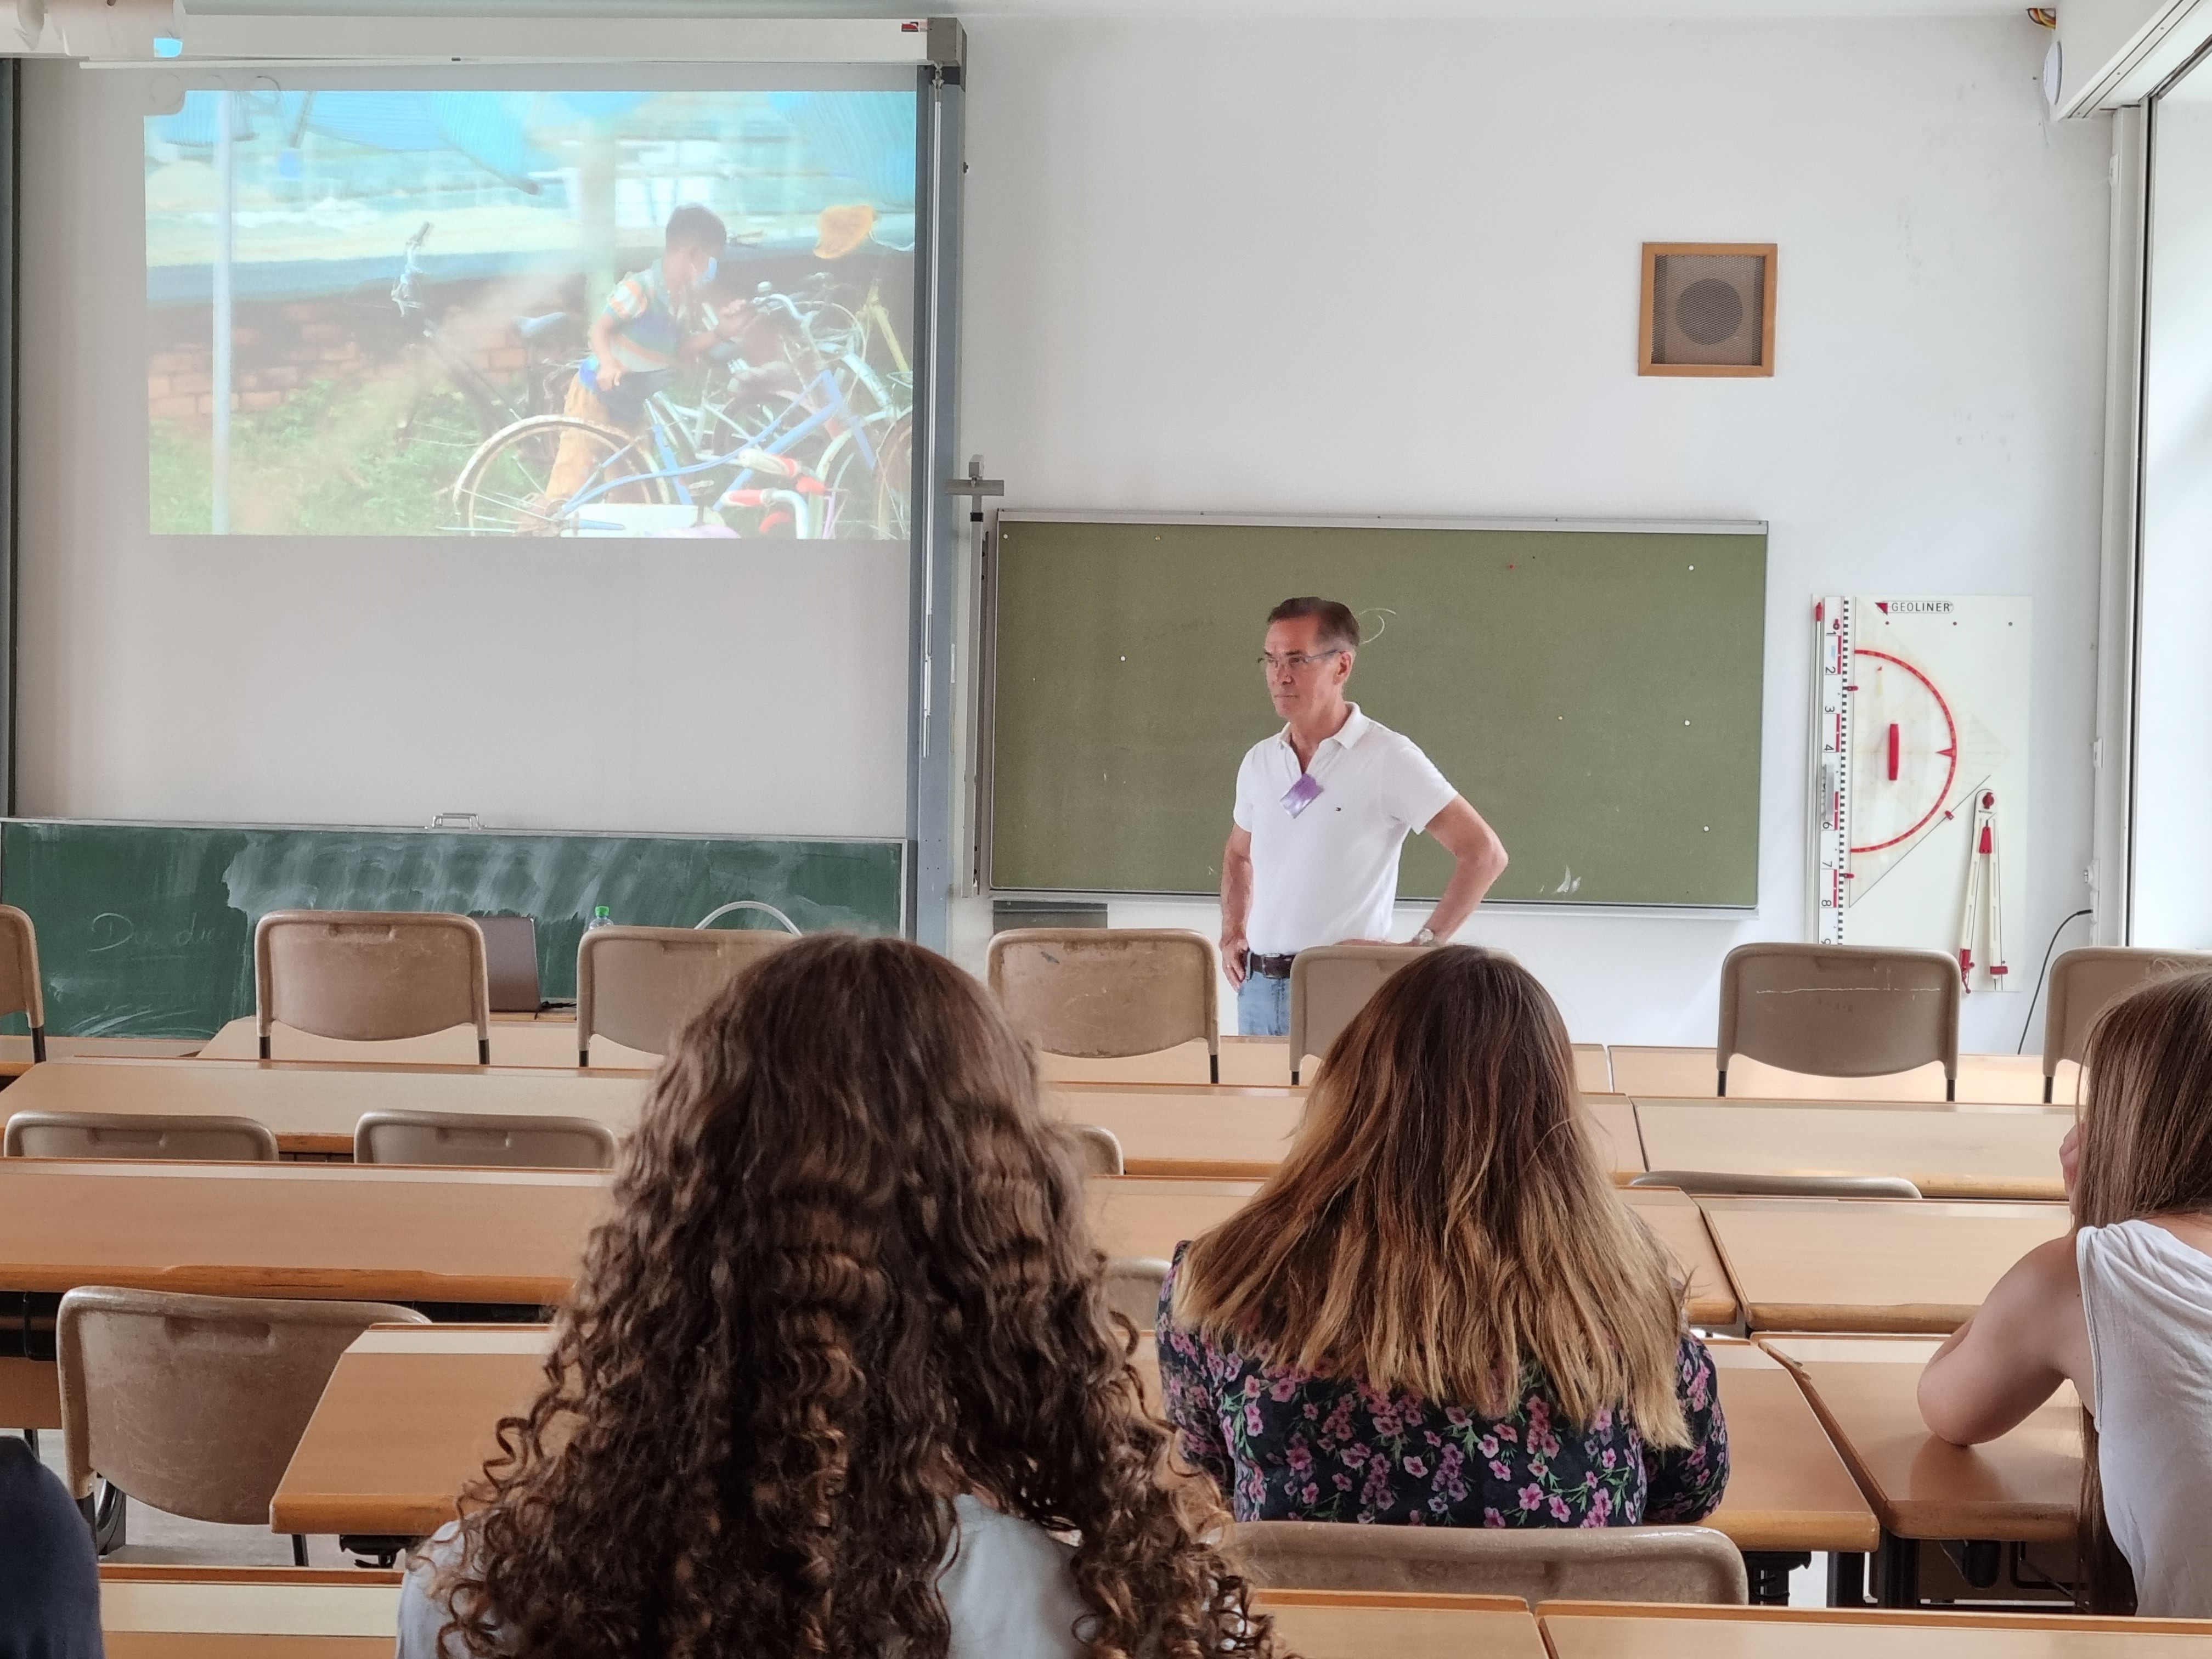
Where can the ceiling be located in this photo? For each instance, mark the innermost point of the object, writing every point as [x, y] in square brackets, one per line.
[1286, 9]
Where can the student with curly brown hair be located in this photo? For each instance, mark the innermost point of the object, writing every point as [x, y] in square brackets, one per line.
[838, 1377]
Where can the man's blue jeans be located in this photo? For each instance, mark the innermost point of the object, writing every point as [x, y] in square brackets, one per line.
[1263, 1006]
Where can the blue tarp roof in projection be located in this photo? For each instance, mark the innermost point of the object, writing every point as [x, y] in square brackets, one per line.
[490, 128]
[868, 139]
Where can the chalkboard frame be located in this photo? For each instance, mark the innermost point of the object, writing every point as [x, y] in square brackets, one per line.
[984, 834]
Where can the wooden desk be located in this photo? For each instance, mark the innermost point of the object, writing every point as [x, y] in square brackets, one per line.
[307, 1229]
[2021, 1488]
[1228, 1133]
[407, 1419]
[218, 1612]
[1368, 1624]
[1252, 1061]
[517, 1040]
[1829, 1264]
[1788, 1488]
[1681, 1226]
[1622, 1629]
[1993, 1079]
[312, 1106]
[1239, 1132]
[15, 1051]
[1966, 1151]
[411, 1413]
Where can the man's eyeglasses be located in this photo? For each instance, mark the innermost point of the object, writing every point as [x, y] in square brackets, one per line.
[1296, 660]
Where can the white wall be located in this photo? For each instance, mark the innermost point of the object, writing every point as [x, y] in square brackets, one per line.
[1391, 267]
[683, 686]
[2173, 872]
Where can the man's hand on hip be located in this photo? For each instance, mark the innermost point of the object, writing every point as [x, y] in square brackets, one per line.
[1232, 959]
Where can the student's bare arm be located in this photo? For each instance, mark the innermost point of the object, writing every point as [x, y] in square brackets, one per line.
[2027, 1337]
[1236, 901]
[1478, 859]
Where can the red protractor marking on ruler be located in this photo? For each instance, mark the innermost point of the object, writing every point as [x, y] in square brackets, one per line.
[1949, 777]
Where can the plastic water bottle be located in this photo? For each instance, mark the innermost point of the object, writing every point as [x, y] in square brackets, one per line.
[601, 917]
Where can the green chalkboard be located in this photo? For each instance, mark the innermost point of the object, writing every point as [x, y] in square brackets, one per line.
[147, 929]
[1594, 691]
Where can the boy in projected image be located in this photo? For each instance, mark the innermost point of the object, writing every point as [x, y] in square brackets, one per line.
[654, 321]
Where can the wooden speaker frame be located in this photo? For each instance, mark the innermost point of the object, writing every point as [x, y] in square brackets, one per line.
[1652, 253]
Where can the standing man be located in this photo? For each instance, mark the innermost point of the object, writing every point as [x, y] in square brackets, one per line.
[1323, 808]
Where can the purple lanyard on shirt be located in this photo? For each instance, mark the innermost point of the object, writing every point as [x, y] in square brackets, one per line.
[1301, 794]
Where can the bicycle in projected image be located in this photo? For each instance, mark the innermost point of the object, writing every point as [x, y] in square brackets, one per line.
[814, 442]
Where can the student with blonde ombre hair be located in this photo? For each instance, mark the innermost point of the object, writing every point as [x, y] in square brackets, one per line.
[2121, 1307]
[1437, 1311]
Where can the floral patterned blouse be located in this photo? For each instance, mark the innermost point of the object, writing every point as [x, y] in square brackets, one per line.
[1288, 1445]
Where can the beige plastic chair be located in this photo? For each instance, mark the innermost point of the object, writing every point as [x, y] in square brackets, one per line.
[1839, 1010]
[195, 1404]
[370, 975]
[2084, 982]
[482, 1139]
[1329, 985]
[1132, 1289]
[1108, 992]
[638, 986]
[132, 1134]
[1713, 1183]
[1537, 1564]
[21, 990]
[1098, 1150]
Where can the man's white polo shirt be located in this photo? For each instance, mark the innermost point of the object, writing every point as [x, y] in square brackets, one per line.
[1330, 873]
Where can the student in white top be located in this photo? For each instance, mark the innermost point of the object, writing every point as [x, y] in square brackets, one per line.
[839, 1375]
[1323, 807]
[2121, 1307]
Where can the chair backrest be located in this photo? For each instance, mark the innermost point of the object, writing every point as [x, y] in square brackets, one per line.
[639, 986]
[1106, 992]
[21, 991]
[1716, 1183]
[1099, 1150]
[195, 1404]
[1537, 1564]
[1839, 1010]
[2084, 982]
[129, 1134]
[495, 1139]
[1133, 1288]
[1329, 985]
[370, 975]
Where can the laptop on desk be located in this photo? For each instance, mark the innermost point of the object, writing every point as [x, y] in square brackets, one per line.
[511, 958]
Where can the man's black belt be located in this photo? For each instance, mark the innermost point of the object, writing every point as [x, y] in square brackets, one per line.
[1268, 967]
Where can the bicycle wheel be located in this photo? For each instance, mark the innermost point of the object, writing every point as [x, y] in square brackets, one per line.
[506, 487]
[894, 518]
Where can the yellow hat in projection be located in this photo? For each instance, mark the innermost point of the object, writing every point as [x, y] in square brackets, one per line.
[841, 229]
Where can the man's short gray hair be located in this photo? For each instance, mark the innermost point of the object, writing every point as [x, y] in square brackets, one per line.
[1338, 629]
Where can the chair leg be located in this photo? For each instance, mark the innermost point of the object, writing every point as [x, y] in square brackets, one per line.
[1213, 1068]
[264, 1045]
[1720, 1084]
[31, 1439]
[2046, 1091]
[483, 1051]
[1950, 1088]
[38, 1044]
[298, 1549]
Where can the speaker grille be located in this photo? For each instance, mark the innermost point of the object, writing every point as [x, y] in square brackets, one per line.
[1706, 311]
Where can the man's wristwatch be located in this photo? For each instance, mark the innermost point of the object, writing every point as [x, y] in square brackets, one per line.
[1425, 936]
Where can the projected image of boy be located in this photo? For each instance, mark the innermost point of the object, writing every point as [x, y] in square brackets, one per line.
[655, 321]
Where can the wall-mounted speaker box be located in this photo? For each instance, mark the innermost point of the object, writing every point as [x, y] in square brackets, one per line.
[1707, 308]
